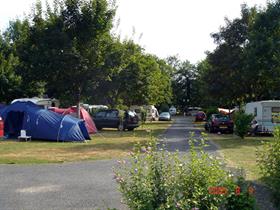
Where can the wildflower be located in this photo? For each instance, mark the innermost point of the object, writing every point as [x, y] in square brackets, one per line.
[135, 170]
[178, 205]
[143, 149]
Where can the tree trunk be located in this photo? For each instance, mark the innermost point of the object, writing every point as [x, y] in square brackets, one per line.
[78, 104]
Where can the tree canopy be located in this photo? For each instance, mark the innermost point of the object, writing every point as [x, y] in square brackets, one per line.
[68, 51]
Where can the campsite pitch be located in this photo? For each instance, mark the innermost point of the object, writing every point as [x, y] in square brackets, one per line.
[106, 144]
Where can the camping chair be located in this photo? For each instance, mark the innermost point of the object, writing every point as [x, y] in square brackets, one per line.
[23, 136]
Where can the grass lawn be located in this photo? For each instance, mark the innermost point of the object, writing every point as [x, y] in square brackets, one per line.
[107, 144]
[241, 152]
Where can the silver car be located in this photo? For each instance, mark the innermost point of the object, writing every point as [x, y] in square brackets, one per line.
[164, 116]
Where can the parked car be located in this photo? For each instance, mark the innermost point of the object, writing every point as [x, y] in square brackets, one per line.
[172, 110]
[164, 116]
[218, 122]
[111, 118]
[200, 116]
[192, 111]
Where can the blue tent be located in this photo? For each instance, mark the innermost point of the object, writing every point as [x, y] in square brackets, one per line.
[42, 124]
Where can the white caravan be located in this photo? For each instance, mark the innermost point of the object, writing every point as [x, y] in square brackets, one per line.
[151, 111]
[266, 114]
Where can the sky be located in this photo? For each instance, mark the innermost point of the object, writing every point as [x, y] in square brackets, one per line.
[161, 27]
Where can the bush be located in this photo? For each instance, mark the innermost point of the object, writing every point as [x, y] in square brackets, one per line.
[161, 180]
[242, 123]
[269, 164]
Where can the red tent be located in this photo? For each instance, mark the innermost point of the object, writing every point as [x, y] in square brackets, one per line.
[83, 114]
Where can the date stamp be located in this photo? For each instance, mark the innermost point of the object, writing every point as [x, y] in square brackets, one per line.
[219, 190]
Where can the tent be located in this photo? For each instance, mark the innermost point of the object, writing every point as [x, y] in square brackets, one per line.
[83, 114]
[41, 123]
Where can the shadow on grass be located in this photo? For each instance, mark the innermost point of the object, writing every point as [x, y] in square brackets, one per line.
[118, 146]
[135, 133]
[228, 141]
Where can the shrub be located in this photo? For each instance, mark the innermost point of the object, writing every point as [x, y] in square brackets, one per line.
[161, 180]
[269, 164]
[242, 123]
[143, 113]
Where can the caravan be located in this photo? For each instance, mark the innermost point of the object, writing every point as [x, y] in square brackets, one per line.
[266, 115]
[151, 111]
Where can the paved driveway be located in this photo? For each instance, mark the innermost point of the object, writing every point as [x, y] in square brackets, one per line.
[176, 137]
[79, 185]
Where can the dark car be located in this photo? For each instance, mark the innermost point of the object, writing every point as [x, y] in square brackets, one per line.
[112, 119]
[200, 116]
[218, 122]
[164, 116]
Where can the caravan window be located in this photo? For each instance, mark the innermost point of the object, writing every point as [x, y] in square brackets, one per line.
[275, 114]
[255, 111]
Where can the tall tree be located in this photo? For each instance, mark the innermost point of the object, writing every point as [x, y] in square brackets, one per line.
[263, 54]
[9, 81]
[224, 76]
[65, 46]
[184, 80]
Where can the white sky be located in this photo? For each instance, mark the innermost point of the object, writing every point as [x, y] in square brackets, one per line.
[168, 27]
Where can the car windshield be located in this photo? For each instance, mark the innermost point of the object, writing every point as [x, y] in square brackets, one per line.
[221, 117]
[164, 114]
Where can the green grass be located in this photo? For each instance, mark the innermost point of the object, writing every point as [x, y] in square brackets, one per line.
[107, 144]
[241, 152]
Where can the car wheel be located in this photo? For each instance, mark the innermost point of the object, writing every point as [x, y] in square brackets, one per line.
[99, 128]
[130, 129]
[211, 129]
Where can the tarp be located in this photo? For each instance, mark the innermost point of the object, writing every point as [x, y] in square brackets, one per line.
[41, 123]
[91, 128]
[226, 111]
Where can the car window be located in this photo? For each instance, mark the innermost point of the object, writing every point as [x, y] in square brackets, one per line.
[112, 114]
[100, 114]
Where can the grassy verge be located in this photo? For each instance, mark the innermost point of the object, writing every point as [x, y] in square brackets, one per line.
[107, 144]
[241, 152]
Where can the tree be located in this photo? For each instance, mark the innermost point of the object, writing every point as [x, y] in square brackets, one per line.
[9, 81]
[64, 48]
[128, 68]
[184, 82]
[263, 54]
[224, 77]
